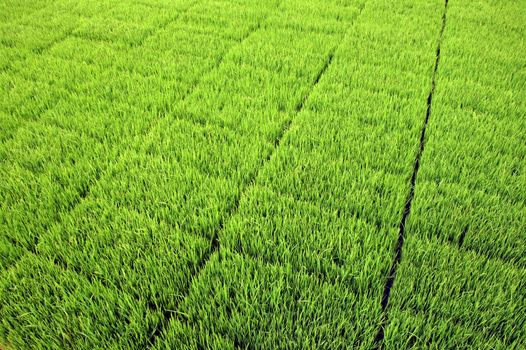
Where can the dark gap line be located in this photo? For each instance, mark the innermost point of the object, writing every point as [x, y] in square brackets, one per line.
[463, 236]
[379, 338]
[326, 65]
[215, 244]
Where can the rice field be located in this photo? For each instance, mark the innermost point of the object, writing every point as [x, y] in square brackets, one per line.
[270, 174]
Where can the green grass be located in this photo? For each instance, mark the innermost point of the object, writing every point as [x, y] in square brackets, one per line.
[228, 174]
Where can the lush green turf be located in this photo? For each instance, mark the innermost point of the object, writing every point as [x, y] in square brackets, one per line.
[231, 174]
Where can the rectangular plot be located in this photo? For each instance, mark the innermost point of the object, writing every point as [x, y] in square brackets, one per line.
[9, 55]
[247, 89]
[83, 9]
[460, 215]
[216, 152]
[394, 39]
[183, 41]
[100, 54]
[64, 16]
[10, 251]
[488, 152]
[10, 125]
[167, 191]
[11, 10]
[480, 97]
[372, 133]
[170, 65]
[47, 307]
[46, 171]
[398, 82]
[234, 19]
[257, 305]
[115, 123]
[449, 298]
[112, 30]
[174, 66]
[151, 94]
[490, 70]
[315, 16]
[80, 79]
[24, 98]
[337, 184]
[126, 24]
[29, 37]
[125, 250]
[289, 52]
[329, 244]
[61, 74]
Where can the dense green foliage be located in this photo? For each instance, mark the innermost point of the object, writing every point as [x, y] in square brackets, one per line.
[231, 174]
